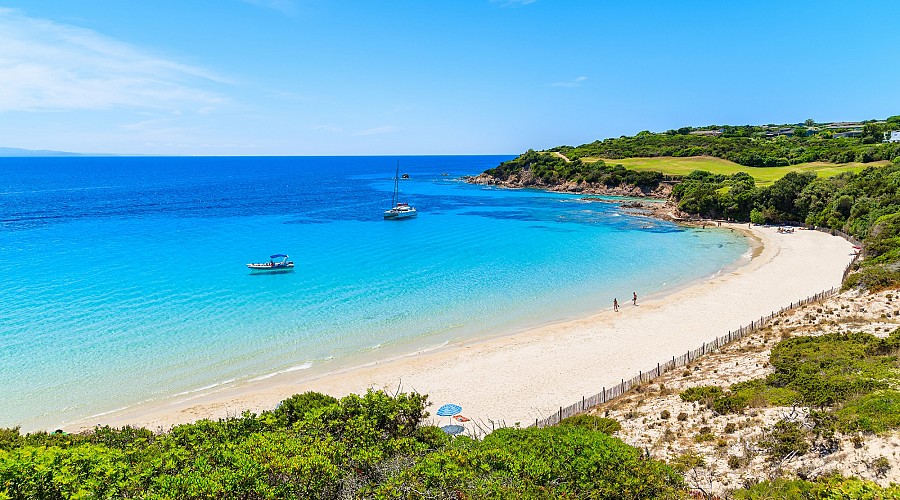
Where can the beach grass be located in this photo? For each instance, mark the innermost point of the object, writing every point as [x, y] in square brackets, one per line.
[764, 176]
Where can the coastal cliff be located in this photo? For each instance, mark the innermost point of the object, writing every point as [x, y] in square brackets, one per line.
[527, 179]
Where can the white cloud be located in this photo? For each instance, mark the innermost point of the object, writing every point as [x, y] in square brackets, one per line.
[384, 129]
[512, 3]
[47, 66]
[284, 6]
[327, 128]
[570, 84]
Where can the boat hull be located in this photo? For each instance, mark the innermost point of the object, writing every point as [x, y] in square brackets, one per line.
[399, 215]
[265, 268]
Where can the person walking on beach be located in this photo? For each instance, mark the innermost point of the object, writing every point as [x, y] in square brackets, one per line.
[634, 299]
[616, 305]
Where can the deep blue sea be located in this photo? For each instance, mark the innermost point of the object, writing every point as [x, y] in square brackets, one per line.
[124, 279]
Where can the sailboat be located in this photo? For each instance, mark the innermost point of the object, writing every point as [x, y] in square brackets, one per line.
[399, 210]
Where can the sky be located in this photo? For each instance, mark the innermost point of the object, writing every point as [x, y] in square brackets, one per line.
[388, 77]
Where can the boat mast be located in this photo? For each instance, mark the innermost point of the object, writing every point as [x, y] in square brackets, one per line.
[395, 198]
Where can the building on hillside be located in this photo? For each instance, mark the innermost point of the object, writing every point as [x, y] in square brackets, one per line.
[711, 133]
[835, 125]
[849, 133]
[782, 131]
[892, 136]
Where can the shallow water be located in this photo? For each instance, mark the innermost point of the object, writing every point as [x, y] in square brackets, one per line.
[124, 279]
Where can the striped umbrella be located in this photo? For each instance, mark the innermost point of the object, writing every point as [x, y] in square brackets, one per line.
[449, 410]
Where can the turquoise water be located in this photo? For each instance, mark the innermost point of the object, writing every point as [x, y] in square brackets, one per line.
[124, 278]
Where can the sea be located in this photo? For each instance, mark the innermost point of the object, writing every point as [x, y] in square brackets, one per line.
[123, 279]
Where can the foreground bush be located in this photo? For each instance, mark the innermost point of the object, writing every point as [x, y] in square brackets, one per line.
[824, 489]
[313, 446]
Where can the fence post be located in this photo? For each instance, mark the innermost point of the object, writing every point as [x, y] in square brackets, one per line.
[560, 415]
[604, 394]
[657, 369]
[582, 403]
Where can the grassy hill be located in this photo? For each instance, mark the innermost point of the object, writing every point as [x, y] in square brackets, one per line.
[764, 176]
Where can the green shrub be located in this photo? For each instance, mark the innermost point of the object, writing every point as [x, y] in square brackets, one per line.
[592, 423]
[873, 277]
[833, 487]
[876, 412]
[704, 394]
[314, 447]
[553, 462]
[785, 438]
[830, 368]
[297, 406]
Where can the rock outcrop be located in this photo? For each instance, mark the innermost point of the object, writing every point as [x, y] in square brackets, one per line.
[525, 179]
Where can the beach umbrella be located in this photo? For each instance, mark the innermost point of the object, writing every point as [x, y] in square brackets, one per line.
[453, 429]
[449, 410]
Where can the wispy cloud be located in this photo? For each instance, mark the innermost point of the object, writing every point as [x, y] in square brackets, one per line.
[48, 66]
[570, 84]
[326, 128]
[512, 3]
[288, 7]
[384, 129]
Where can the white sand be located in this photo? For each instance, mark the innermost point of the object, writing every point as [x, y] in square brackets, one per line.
[530, 374]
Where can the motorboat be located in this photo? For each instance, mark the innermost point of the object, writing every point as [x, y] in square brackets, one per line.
[282, 265]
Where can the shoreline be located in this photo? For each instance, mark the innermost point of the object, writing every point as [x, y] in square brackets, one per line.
[548, 365]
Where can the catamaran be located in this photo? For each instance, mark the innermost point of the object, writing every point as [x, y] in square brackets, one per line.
[400, 210]
[273, 265]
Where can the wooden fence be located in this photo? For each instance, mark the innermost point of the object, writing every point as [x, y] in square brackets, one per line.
[610, 393]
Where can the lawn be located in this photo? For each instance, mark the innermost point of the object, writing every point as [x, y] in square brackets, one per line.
[764, 175]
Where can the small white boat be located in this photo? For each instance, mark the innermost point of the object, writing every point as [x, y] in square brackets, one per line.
[399, 210]
[283, 265]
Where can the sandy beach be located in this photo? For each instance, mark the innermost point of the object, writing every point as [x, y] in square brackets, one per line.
[529, 374]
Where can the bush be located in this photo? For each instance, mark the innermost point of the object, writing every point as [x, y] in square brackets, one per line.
[296, 407]
[553, 462]
[313, 446]
[875, 413]
[705, 394]
[823, 488]
[785, 438]
[592, 423]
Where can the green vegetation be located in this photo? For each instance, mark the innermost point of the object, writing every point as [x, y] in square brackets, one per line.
[593, 423]
[851, 373]
[314, 446]
[750, 146]
[546, 169]
[763, 176]
[865, 205]
[826, 488]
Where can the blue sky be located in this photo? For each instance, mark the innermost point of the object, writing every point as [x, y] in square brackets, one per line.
[318, 77]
